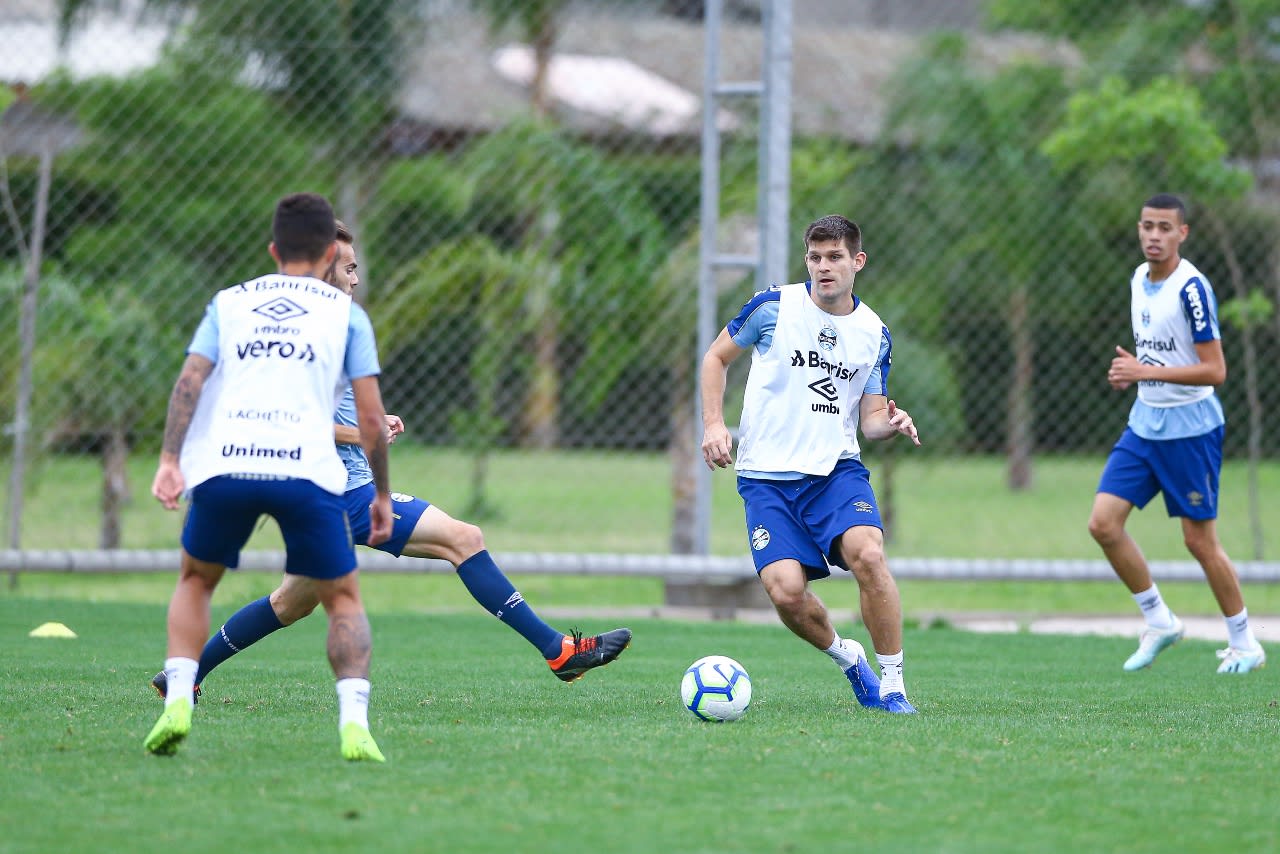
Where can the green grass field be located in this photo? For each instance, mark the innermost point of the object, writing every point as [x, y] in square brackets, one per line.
[1024, 743]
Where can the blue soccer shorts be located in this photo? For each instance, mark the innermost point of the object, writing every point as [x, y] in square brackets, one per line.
[803, 519]
[223, 511]
[406, 510]
[1185, 470]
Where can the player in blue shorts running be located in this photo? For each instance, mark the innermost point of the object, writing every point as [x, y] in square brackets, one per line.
[249, 432]
[820, 361]
[419, 529]
[1173, 442]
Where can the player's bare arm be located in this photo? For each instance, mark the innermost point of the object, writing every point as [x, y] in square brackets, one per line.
[1210, 370]
[345, 434]
[372, 418]
[168, 484]
[881, 418]
[717, 441]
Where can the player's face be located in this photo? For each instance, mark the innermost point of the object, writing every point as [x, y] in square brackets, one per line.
[344, 268]
[832, 268]
[1161, 233]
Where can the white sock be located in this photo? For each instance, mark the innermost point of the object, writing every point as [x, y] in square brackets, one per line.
[890, 674]
[180, 674]
[1238, 632]
[353, 702]
[1154, 611]
[845, 652]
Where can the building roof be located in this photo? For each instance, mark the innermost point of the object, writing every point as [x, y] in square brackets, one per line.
[613, 72]
[462, 80]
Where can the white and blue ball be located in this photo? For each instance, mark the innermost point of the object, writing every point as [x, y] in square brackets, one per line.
[716, 688]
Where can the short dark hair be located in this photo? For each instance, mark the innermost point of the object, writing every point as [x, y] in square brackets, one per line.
[834, 227]
[303, 227]
[1167, 202]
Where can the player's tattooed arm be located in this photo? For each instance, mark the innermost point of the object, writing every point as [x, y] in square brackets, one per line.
[182, 403]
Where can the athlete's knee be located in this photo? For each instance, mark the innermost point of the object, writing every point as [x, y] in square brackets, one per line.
[866, 561]
[1203, 544]
[292, 604]
[339, 595]
[466, 539]
[1105, 529]
[786, 590]
[200, 575]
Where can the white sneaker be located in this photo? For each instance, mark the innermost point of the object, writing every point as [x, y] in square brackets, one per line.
[1151, 643]
[1241, 660]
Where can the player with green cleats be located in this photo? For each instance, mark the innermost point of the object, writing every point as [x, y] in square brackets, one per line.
[358, 744]
[172, 727]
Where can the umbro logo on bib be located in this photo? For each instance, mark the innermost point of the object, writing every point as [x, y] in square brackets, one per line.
[280, 309]
[825, 389]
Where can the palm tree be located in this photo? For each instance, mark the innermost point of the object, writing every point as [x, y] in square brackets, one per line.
[538, 24]
[491, 201]
[466, 281]
[536, 21]
[976, 138]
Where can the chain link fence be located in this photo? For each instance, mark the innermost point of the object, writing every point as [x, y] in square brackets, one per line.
[523, 180]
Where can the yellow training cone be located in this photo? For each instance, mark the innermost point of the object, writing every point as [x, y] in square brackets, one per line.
[51, 630]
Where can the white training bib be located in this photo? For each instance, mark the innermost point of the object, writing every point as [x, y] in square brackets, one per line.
[1162, 330]
[281, 347]
[801, 412]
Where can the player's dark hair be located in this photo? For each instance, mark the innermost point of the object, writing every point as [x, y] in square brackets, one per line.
[1167, 202]
[343, 233]
[303, 227]
[834, 227]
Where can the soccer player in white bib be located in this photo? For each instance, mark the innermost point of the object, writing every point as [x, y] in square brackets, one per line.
[820, 360]
[1173, 442]
[419, 529]
[283, 344]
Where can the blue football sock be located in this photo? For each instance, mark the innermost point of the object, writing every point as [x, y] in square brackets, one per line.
[244, 628]
[494, 591]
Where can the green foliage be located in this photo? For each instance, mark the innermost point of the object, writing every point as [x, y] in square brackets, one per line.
[925, 382]
[422, 202]
[1067, 18]
[470, 284]
[177, 190]
[1226, 49]
[1158, 132]
[1253, 310]
[191, 177]
[75, 203]
[574, 236]
[959, 150]
[94, 366]
[531, 18]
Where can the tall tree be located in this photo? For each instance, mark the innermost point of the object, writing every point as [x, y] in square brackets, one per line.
[1228, 50]
[984, 191]
[488, 199]
[536, 22]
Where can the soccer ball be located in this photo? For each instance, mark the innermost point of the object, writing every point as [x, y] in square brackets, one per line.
[716, 688]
